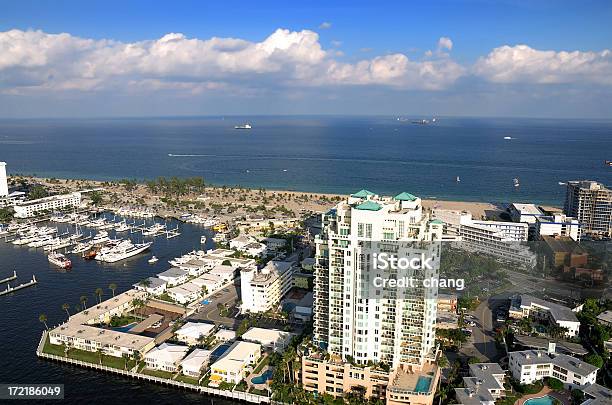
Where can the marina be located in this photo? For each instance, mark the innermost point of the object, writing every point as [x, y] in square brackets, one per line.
[10, 278]
[10, 289]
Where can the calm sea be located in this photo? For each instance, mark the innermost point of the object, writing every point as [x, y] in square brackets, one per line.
[324, 154]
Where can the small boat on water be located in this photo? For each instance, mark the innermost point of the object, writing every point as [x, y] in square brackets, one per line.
[508, 138]
[59, 260]
[608, 163]
[153, 260]
[516, 182]
[90, 255]
[203, 239]
[561, 183]
[244, 126]
[458, 179]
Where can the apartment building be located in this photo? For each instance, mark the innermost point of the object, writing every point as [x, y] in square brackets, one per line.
[532, 365]
[590, 203]
[524, 306]
[165, 357]
[262, 290]
[28, 209]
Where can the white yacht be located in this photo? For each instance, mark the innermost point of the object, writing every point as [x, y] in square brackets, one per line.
[244, 126]
[122, 227]
[203, 239]
[122, 251]
[42, 241]
[59, 260]
[153, 260]
[101, 237]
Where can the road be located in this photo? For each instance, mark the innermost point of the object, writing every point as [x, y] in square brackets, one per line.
[210, 312]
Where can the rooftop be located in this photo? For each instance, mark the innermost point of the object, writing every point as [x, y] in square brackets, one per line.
[563, 244]
[605, 317]
[570, 363]
[362, 194]
[236, 356]
[527, 209]
[265, 335]
[173, 272]
[195, 329]
[369, 206]
[107, 337]
[405, 197]
[168, 353]
[154, 282]
[557, 311]
[196, 359]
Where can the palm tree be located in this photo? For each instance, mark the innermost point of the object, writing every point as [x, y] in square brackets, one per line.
[43, 318]
[99, 292]
[126, 357]
[112, 287]
[66, 307]
[101, 354]
[83, 300]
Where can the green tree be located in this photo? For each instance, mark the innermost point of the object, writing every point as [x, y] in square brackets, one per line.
[95, 197]
[37, 192]
[554, 384]
[99, 292]
[43, 318]
[83, 300]
[112, 287]
[594, 359]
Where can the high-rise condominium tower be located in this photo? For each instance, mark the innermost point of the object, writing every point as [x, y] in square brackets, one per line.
[354, 317]
[591, 203]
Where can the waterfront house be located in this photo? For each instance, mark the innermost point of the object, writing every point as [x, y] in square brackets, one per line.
[165, 357]
[174, 276]
[236, 363]
[185, 293]
[152, 285]
[272, 339]
[194, 363]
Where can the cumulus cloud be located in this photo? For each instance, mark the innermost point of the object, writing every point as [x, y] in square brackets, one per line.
[325, 25]
[445, 43]
[523, 64]
[34, 60]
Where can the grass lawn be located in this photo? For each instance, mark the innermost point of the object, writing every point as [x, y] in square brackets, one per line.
[187, 379]
[89, 357]
[57, 350]
[241, 387]
[157, 373]
[261, 364]
[259, 392]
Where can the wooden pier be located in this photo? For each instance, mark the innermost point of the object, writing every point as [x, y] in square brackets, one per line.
[10, 289]
[11, 278]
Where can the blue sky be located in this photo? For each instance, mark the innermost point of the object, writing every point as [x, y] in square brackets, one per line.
[451, 57]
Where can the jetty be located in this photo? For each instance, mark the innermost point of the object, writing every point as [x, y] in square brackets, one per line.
[11, 278]
[10, 289]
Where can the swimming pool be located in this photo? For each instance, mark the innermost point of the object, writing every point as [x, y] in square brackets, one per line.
[423, 384]
[545, 400]
[218, 352]
[125, 328]
[261, 379]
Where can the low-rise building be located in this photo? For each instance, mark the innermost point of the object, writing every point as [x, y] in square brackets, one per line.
[526, 213]
[174, 276]
[273, 339]
[28, 209]
[262, 290]
[605, 318]
[226, 272]
[165, 357]
[524, 306]
[275, 244]
[596, 394]
[194, 267]
[557, 225]
[211, 282]
[195, 362]
[191, 332]
[447, 302]
[235, 363]
[564, 251]
[240, 241]
[185, 293]
[152, 285]
[532, 365]
[225, 335]
[484, 385]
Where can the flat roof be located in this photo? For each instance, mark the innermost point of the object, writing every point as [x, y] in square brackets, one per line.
[527, 209]
[262, 335]
[173, 272]
[236, 356]
[93, 313]
[573, 364]
[104, 336]
[195, 329]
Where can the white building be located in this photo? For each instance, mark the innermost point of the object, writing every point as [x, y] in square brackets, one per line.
[225, 335]
[152, 285]
[272, 339]
[240, 241]
[262, 290]
[166, 357]
[226, 272]
[212, 282]
[275, 243]
[484, 385]
[194, 363]
[348, 320]
[591, 203]
[185, 293]
[79, 333]
[557, 225]
[526, 213]
[28, 209]
[533, 365]
[191, 332]
[3, 181]
[235, 363]
[524, 306]
[174, 276]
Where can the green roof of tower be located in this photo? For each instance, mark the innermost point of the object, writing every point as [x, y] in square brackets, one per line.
[368, 206]
[405, 197]
[362, 194]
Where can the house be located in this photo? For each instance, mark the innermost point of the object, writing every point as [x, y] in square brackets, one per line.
[174, 276]
[212, 282]
[524, 306]
[152, 285]
[275, 244]
[308, 264]
[194, 363]
[185, 293]
[166, 357]
[605, 318]
[190, 332]
[532, 365]
[195, 267]
[273, 339]
[596, 394]
[235, 363]
[225, 335]
[255, 249]
[484, 385]
[239, 242]
[225, 272]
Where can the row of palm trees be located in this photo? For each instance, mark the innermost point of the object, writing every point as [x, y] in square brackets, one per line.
[99, 292]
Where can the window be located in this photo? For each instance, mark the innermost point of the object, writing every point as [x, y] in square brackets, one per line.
[360, 230]
[368, 230]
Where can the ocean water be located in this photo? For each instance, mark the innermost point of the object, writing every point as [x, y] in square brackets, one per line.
[21, 330]
[324, 154]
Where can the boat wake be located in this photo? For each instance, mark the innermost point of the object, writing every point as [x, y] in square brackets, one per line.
[175, 155]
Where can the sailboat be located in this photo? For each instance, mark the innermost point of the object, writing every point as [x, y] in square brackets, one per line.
[516, 182]
[458, 179]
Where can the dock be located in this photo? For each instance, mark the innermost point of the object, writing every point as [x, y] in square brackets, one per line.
[10, 289]
[11, 278]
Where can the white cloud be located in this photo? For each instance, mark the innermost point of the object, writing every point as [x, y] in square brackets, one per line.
[523, 64]
[445, 43]
[37, 61]
[336, 44]
[325, 25]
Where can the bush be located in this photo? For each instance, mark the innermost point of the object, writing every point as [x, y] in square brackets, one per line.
[554, 384]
